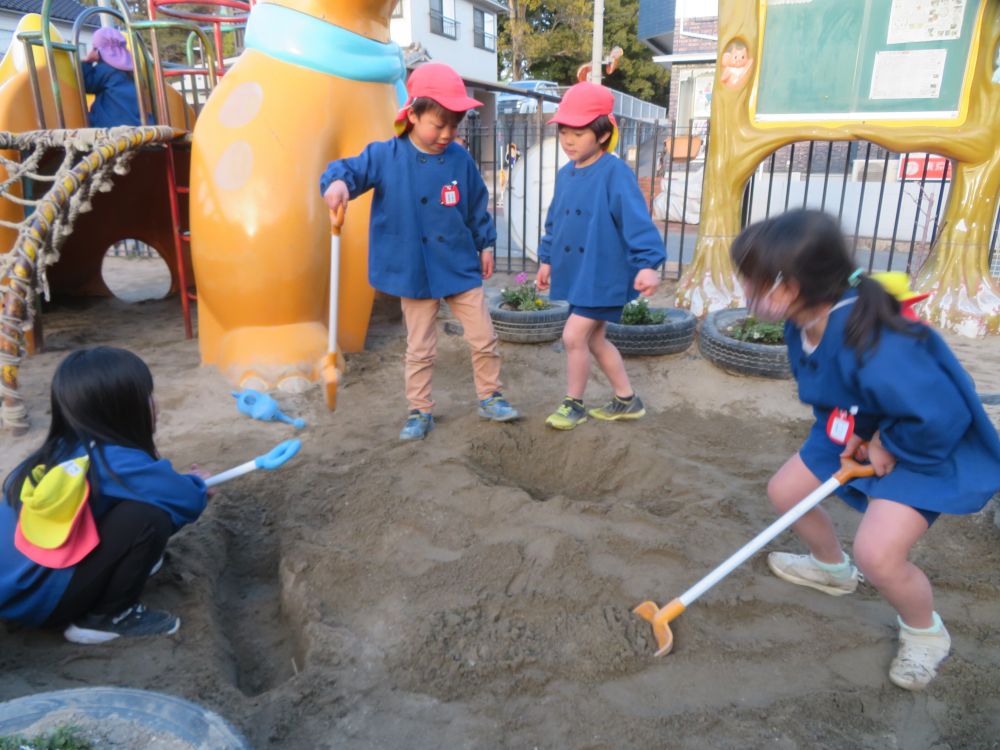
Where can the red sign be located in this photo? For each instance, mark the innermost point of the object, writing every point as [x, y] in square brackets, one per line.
[924, 167]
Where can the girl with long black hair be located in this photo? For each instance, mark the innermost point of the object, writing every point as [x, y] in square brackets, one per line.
[86, 517]
[883, 389]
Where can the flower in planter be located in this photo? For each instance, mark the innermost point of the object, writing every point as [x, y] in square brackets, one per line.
[755, 331]
[524, 296]
[637, 313]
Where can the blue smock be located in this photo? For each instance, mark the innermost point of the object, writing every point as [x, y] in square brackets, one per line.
[115, 100]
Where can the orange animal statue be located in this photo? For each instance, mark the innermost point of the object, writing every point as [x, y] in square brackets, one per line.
[318, 81]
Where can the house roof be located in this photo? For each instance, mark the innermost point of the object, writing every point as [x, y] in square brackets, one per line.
[62, 10]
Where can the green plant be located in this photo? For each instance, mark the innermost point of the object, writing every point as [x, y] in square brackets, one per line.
[637, 313]
[524, 296]
[756, 331]
[63, 738]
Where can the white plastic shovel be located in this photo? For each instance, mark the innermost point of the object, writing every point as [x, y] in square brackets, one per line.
[660, 617]
[274, 458]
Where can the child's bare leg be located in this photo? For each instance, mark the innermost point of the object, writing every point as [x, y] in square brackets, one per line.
[610, 361]
[881, 549]
[788, 486]
[576, 340]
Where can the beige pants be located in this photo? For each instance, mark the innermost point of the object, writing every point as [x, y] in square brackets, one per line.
[421, 344]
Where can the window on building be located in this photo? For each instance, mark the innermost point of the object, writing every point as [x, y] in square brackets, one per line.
[397, 12]
[484, 30]
[443, 18]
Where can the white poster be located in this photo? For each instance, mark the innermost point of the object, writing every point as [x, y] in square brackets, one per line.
[925, 20]
[908, 74]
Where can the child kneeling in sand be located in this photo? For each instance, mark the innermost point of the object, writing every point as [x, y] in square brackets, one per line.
[600, 250]
[862, 366]
[430, 236]
[87, 516]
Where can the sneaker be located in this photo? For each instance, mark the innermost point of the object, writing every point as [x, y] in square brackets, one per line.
[497, 408]
[804, 571]
[618, 408]
[134, 622]
[920, 654]
[418, 424]
[569, 414]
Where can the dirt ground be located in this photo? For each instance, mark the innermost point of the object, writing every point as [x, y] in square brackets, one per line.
[474, 590]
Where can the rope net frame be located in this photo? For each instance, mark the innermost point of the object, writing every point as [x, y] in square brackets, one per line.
[90, 160]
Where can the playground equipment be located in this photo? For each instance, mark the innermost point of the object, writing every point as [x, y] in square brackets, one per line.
[259, 235]
[69, 214]
[909, 79]
[661, 617]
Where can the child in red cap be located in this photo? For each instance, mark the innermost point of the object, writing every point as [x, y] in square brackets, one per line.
[600, 250]
[430, 236]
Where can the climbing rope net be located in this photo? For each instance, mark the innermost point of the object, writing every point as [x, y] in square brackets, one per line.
[89, 161]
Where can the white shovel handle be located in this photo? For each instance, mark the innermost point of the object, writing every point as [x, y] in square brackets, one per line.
[851, 470]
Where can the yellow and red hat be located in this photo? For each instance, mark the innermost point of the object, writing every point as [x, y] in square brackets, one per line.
[584, 103]
[439, 82]
[897, 283]
[56, 527]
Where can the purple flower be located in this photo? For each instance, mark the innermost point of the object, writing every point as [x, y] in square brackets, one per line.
[521, 278]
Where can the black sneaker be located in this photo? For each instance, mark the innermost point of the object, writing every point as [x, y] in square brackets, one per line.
[134, 622]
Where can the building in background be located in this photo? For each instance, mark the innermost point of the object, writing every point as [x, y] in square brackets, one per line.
[63, 14]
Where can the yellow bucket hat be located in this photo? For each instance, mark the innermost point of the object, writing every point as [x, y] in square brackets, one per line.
[51, 500]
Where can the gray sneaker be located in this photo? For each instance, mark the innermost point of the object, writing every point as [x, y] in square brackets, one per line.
[134, 622]
[803, 571]
[619, 408]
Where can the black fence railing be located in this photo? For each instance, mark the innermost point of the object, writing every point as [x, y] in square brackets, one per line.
[889, 204]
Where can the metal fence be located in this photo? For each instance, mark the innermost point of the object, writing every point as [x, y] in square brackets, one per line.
[889, 204]
[132, 249]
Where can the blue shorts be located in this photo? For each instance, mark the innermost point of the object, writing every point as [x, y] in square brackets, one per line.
[607, 314]
[822, 457]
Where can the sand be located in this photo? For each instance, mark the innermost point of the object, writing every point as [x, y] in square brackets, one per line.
[474, 590]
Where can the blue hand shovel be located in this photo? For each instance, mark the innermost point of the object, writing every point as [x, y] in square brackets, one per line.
[274, 458]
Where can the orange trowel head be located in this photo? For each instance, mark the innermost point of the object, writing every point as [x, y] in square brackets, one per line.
[660, 618]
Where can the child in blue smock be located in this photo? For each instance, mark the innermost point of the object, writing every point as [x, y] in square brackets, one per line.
[85, 518]
[916, 418]
[107, 73]
[600, 250]
[430, 236]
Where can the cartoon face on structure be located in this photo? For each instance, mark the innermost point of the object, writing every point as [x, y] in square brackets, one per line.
[736, 64]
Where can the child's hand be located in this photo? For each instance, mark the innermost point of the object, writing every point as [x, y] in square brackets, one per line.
[882, 461]
[337, 195]
[543, 277]
[92, 56]
[646, 282]
[202, 474]
[486, 260]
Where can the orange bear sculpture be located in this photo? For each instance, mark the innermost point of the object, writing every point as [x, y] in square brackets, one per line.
[319, 80]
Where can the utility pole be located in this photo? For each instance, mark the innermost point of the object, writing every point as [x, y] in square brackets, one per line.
[597, 55]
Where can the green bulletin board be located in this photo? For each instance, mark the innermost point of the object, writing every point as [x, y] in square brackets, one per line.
[851, 60]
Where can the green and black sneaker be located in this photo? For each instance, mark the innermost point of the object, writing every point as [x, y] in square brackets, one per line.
[569, 414]
[620, 408]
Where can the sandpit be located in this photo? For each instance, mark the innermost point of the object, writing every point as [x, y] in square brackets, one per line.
[473, 591]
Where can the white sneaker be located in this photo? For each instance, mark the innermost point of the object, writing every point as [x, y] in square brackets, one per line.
[919, 656]
[803, 571]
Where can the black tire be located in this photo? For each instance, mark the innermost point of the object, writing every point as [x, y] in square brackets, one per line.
[161, 714]
[528, 327]
[672, 336]
[741, 357]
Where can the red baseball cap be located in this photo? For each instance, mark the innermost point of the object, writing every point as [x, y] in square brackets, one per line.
[584, 103]
[439, 82]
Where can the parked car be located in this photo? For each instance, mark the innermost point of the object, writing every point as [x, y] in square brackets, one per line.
[512, 104]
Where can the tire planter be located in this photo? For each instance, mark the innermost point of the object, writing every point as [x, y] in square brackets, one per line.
[165, 716]
[528, 326]
[672, 336]
[741, 357]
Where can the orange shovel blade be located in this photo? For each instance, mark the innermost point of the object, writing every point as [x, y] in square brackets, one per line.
[330, 373]
[659, 618]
